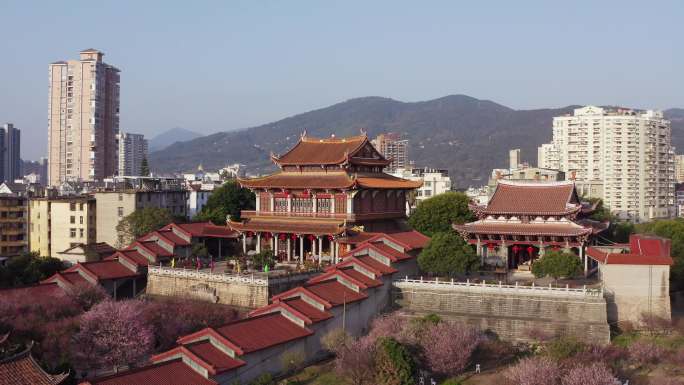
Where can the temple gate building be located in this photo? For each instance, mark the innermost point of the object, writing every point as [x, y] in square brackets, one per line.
[326, 192]
[523, 219]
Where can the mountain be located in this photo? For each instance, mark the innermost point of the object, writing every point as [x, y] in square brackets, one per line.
[168, 137]
[465, 135]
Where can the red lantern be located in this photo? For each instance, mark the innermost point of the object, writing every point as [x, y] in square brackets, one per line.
[267, 236]
[250, 234]
[330, 238]
[556, 247]
[281, 237]
[311, 237]
[490, 246]
[530, 250]
[516, 248]
[293, 236]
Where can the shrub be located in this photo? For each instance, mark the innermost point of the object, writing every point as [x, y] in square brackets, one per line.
[262, 259]
[394, 364]
[334, 340]
[557, 264]
[448, 347]
[264, 379]
[607, 354]
[655, 324]
[562, 348]
[645, 352]
[537, 370]
[660, 380]
[596, 374]
[292, 360]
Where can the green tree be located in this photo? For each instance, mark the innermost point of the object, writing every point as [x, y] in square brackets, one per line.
[265, 257]
[141, 222]
[199, 250]
[228, 199]
[557, 264]
[395, 366]
[438, 213]
[144, 167]
[27, 269]
[601, 213]
[447, 253]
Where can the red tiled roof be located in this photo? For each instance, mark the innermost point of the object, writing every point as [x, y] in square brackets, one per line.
[302, 291]
[374, 263]
[156, 249]
[135, 256]
[261, 332]
[22, 369]
[220, 361]
[314, 151]
[385, 181]
[358, 238]
[559, 198]
[73, 278]
[290, 225]
[313, 313]
[103, 270]
[207, 230]
[366, 280]
[170, 372]
[335, 292]
[301, 180]
[541, 229]
[171, 236]
[409, 239]
[390, 251]
[627, 258]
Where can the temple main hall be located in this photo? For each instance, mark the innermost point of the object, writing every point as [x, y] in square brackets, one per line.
[328, 195]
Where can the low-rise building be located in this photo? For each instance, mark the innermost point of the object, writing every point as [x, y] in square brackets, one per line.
[13, 224]
[198, 195]
[59, 223]
[636, 278]
[435, 182]
[114, 205]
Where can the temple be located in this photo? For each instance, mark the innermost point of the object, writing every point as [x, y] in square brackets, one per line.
[524, 219]
[327, 192]
[21, 368]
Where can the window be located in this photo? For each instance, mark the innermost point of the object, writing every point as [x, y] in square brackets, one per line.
[81, 219]
[72, 206]
[80, 233]
[120, 197]
[120, 211]
[72, 233]
[302, 205]
[323, 205]
[72, 219]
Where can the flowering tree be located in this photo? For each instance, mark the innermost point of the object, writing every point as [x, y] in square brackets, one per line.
[448, 347]
[537, 370]
[596, 374]
[356, 361]
[113, 334]
[645, 352]
[86, 295]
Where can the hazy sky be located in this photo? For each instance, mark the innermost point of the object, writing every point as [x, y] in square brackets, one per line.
[212, 66]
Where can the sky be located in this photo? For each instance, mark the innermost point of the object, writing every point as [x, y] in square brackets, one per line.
[215, 66]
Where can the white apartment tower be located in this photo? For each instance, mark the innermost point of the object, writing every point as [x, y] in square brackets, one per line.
[132, 151]
[83, 119]
[628, 152]
[392, 147]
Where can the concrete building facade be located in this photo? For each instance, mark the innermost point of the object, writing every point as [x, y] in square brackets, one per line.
[679, 168]
[13, 225]
[630, 152]
[133, 149]
[83, 118]
[57, 224]
[112, 206]
[10, 146]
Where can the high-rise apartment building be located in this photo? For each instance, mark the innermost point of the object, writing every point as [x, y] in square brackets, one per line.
[392, 147]
[514, 161]
[629, 152]
[679, 168]
[547, 157]
[83, 119]
[132, 151]
[10, 143]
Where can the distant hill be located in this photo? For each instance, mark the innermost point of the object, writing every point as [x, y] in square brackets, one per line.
[168, 137]
[468, 136]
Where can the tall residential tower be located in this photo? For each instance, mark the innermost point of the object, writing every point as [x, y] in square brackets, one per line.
[132, 151]
[83, 119]
[627, 152]
[10, 143]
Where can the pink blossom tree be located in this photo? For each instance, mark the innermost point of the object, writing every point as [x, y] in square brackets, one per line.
[538, 370]
[596, 374]
[113, 334]
[356, 361]
[644, 352]
[448, 347]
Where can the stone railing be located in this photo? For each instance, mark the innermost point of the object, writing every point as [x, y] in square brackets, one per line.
[484, 287]
[259, 279]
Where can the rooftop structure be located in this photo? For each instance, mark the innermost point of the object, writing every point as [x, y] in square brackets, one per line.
[21, 369]
[325, 188]
[522, 220]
